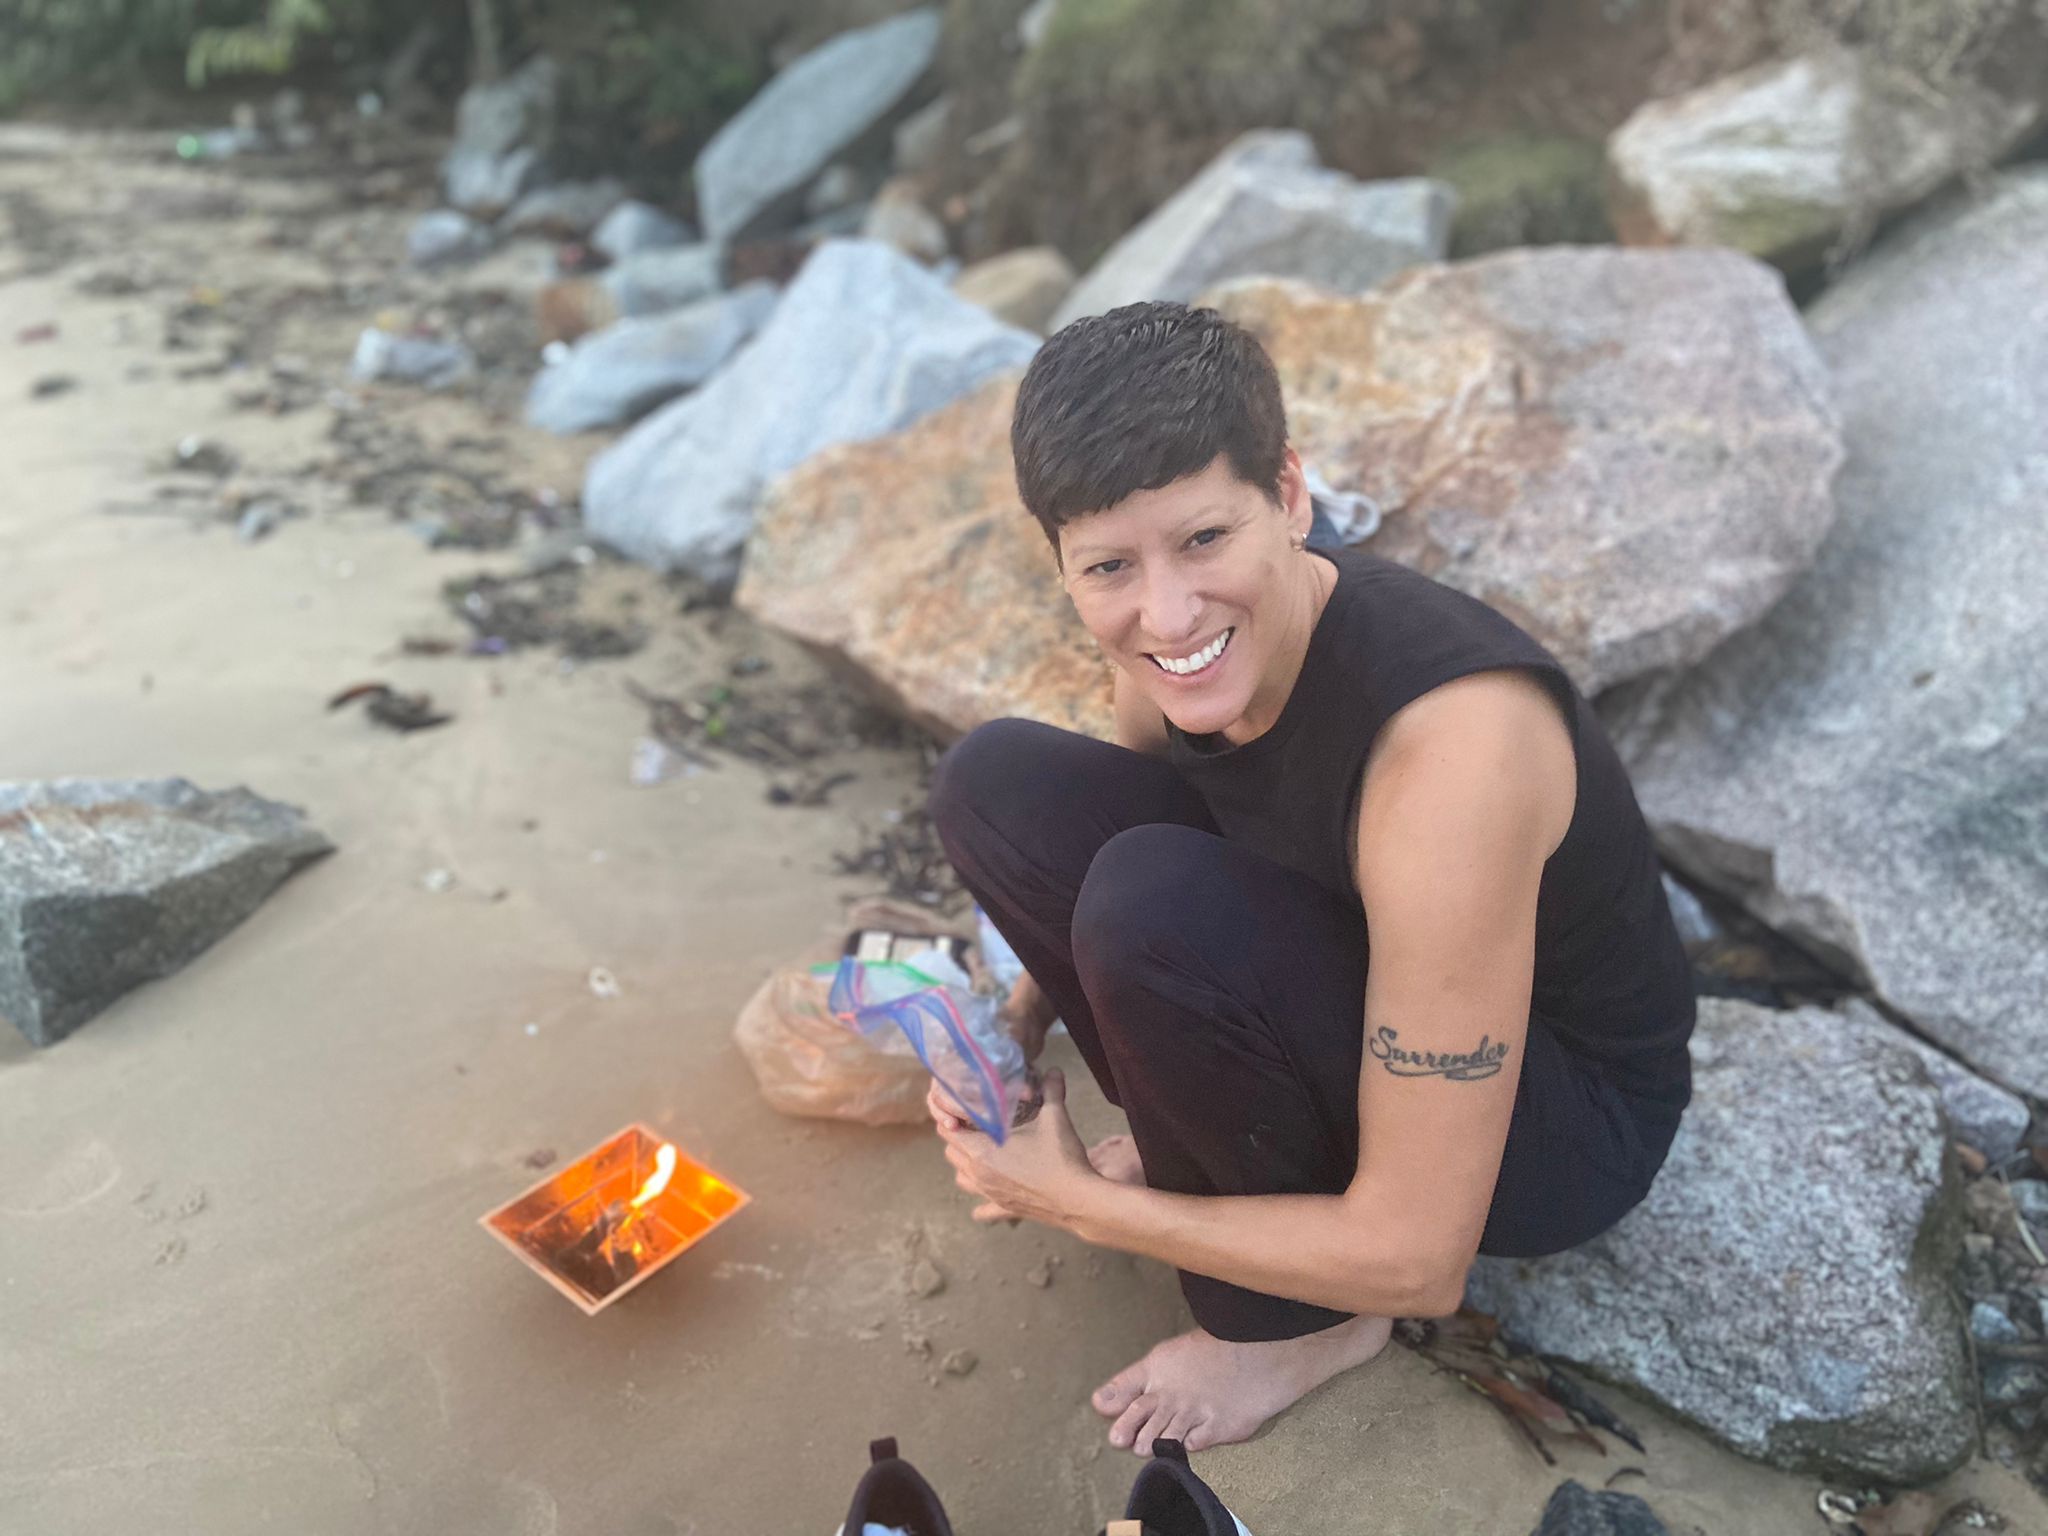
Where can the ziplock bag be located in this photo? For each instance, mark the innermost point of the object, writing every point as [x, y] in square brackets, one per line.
[956, 1033]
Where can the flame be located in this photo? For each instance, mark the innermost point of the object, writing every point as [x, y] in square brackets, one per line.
[657, 1181]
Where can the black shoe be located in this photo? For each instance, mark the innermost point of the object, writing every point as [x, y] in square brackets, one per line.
[1169, 1500]
[894, 1496]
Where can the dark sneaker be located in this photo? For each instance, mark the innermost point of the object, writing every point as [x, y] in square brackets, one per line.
[893, 1497]
[1169, 1500]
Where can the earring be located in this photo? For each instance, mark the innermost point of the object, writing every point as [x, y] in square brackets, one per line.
[1300, 542]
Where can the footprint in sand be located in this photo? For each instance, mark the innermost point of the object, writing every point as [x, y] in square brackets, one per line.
[75, 1177]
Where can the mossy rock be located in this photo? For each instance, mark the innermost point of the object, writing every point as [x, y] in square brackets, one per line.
[1123, 100]
[1521, 189]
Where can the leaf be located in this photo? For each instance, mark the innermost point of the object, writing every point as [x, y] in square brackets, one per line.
[1537, 1409]
[1586, 1407]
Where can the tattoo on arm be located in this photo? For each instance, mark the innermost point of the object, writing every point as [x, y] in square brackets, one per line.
[1471, 1066]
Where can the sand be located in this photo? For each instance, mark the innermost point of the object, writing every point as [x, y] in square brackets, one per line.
[242, 1288]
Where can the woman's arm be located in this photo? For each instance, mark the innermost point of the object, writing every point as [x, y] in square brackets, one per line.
[1465, 802]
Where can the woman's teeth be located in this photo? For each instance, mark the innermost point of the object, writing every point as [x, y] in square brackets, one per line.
[1186, 666]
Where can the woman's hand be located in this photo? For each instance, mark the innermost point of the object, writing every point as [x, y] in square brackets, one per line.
[1040, 1173]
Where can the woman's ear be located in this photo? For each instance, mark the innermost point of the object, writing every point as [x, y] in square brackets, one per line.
[1294, 497]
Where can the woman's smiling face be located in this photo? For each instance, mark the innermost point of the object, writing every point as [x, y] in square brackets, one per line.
[1196, 591]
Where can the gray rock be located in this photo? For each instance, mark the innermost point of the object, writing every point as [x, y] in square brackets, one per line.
[1695, 924]
[649, 282]
[1266, 207]
[633, 227]
[755, 170]
[1628, 452]
[627, 369]
[920, 140]
[837, 188]
[108, 883]
[566, 211]
[864, 342]
[1980, 1113]
[2008, 1383]
[1990, 1325]
[486, 185]
[423, 360]
[446, 235]
[1575, 1510]
[1864, 770]
[1779, 159]
[2030, 1199]
[503, 130]
[1784, 1283]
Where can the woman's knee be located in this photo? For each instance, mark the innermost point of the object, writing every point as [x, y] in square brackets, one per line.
[983, 772]
[1148, 889]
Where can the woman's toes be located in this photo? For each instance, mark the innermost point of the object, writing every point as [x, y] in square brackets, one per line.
[1115, 1394]
[1201, 1434]
[1134, 1418]
[1154, 1428]
[1177, 1427]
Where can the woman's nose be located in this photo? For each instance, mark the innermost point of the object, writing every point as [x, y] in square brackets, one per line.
[1170, 612]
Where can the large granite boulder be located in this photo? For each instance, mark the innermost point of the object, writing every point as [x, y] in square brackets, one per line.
[108, 883]
[1867, 770]
[864, 342]
[503, 131]
[910, 564]
[625, 370]
[1267, 207]
[823, 107]
[1779, 160]
[1627, 452]
[1784, 1284]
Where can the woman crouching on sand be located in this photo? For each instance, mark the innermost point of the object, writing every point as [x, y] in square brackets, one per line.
[1324, 1130]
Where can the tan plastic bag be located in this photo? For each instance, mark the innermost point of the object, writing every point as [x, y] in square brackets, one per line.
[808, 1063]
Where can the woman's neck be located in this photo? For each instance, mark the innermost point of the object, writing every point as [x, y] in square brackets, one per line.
[1312, 591]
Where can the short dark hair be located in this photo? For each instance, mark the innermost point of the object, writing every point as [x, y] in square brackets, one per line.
[1139, 398]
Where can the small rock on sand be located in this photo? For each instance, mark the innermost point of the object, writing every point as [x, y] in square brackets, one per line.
[925, 1280]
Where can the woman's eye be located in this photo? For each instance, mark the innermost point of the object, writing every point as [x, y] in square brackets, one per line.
[1104, 567]
[1208, 536]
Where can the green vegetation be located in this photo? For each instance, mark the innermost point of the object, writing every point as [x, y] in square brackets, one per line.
[1525, 190]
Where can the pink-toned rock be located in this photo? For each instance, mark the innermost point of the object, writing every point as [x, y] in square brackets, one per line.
[1627, 452]
[909, 562]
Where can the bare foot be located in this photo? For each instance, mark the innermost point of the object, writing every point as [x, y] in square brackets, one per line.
[1116, 1157]
[1201, 1391]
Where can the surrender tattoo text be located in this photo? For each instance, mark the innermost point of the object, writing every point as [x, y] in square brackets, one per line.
[1482, 1061]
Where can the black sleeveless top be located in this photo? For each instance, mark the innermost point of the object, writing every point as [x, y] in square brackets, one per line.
[1611, 976]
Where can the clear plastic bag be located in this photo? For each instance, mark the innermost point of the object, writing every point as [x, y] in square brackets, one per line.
[957, 1033]
[808, 1062]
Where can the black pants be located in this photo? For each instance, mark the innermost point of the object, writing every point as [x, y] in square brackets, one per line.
[1218, 998]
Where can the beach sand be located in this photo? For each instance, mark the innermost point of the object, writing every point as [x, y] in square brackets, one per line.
[242, 1287]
